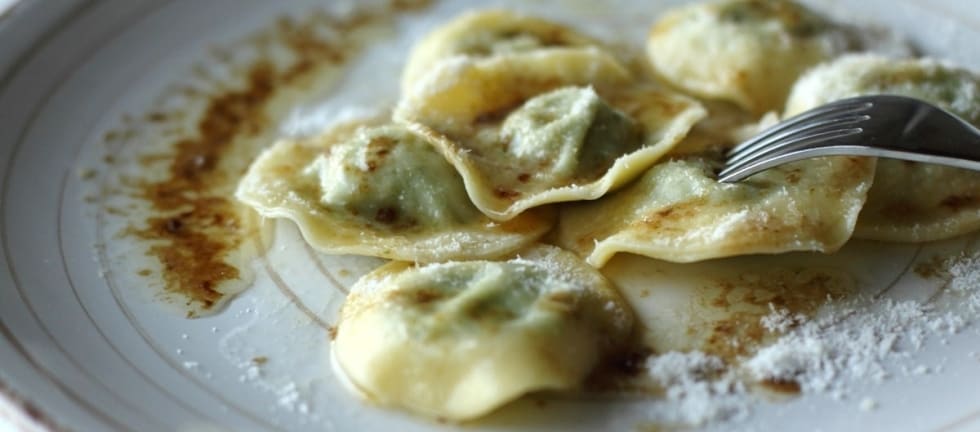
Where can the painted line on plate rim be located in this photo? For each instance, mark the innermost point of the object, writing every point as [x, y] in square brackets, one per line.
[949, 279]
[975, 414]
[43, 103]
[91, 319]
[323, 270]
[285, 289]
[967, 420]
[26, 410]
[43, 42]
[16, 149]
[973, 417]
[68, 391]
[114, 290]
[901, 274]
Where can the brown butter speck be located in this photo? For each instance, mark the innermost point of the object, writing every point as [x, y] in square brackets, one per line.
[503, 193]
[958, 202]
[788, 386]
[195, 224]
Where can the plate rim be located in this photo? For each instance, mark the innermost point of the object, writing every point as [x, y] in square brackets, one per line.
[25, 52]
[36, 47]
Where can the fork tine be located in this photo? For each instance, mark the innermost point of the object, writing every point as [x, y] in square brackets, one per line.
[789, 146]
[832, 110]
[775, 140]
[899, 128]
[731, 175]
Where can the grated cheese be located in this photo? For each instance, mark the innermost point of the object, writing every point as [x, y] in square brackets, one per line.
[861, 341]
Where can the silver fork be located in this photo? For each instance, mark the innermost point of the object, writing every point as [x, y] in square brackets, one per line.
[885, 126]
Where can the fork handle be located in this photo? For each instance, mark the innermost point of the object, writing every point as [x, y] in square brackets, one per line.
[937, 134]
[959, 161]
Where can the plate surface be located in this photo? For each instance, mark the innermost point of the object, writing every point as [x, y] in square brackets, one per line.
[87, 349]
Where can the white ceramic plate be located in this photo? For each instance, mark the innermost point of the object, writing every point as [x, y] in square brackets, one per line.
[83, 348]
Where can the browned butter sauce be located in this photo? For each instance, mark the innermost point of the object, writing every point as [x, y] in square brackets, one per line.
[721, 317]
[194, 222]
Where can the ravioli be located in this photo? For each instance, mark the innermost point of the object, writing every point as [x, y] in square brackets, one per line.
[487, 34]
[565, 145]
[380, 191]
[679, 212]
[488, 62]
[746, 51]
[909, 202]
[459, 339]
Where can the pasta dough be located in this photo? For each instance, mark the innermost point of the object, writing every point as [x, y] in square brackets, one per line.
[746, 51]
[565, 145]
[514, 104]
[380, 191]
[459, 339]
[909, 201]
[487, 34]
[485, 63]
[679, 212]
